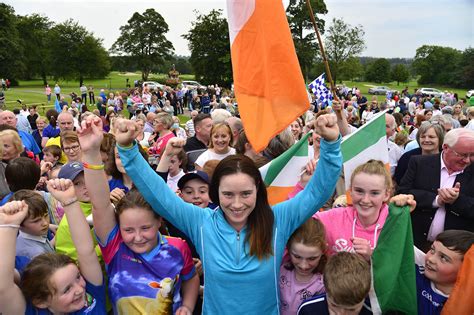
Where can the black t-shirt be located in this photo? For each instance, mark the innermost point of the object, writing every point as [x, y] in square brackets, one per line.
[193, 143]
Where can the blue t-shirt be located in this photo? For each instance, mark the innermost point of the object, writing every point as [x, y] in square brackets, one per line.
[117, 183]
[430, 300]
[29, 142]
[95, 297]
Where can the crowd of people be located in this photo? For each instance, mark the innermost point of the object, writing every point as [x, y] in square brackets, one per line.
[118, 207]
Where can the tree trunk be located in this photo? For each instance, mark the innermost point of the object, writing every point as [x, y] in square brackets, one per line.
[81, 80]
[43, 76]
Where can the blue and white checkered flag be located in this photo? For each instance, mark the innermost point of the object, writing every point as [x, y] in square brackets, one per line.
[323, 94]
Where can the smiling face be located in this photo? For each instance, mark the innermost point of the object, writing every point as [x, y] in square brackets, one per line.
[139, 228]
[429, 142]
[368, 192]
[460, 155]
[442, 265]
[69, 291]
[237, 198]
[196, 191]
[296, 130]
[220, 138]
[305, 259]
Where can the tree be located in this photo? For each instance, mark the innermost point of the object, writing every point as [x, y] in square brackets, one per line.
[466, 71]
[400, 73]
[143, 39]
[210, 48]
[350, 69]
[34, 33]
[77, 54]
[436, 64]
[11, 51]
[378, 71]
[304, 36]
[343, 42]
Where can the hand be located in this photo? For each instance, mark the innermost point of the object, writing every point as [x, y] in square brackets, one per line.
[62, 189]
[198, 266]
[125, 131]
[13, 212]
[183, 310]
[362, 247]
[448, 195]
[53, 228]
[326, 126]
[116, 195]
[90, 134]
[404, 200]
[45, 166]
[306, 176]
[174, 146]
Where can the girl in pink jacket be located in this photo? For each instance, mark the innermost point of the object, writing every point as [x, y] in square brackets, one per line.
[356, 228]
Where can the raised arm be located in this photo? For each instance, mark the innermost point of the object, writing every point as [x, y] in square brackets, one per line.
[292, 213]
[182, 215]
[12, 215]
[63, 190]
[90, 137]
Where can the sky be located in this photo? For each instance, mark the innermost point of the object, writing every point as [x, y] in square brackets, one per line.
[393, 28]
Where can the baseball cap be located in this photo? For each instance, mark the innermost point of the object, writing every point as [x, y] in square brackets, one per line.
[71, 170]
[194, 175]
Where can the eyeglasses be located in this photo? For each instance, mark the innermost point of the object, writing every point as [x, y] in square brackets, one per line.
[71, 149]
[462, 155]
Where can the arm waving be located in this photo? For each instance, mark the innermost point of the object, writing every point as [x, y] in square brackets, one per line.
[12, 300]
[292, 213]
[184, 216]
[90, 136]
[63, 190]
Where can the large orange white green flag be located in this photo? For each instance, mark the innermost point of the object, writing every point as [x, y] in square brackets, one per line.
[366, 143]
[268, 82]
[283, 173]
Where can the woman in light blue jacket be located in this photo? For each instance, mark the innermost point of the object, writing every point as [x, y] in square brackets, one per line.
[241, 243]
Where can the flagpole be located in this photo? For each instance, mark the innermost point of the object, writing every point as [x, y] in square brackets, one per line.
[323, 53]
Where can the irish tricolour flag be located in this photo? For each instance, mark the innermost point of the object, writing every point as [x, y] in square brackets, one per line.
[283, 173]
[368, 142]
[268, 82]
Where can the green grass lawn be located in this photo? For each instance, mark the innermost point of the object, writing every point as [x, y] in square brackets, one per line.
[364, 87]
[32, 92]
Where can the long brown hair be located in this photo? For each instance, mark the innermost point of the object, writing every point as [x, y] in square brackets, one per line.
[260, 220]
[36, 280]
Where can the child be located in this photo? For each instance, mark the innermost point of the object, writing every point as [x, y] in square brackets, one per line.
[32, 239]
[149, 273]
[436, 271]
[301, 274]
[52, 154]
[175, 170]
[347, 283]
[356, 228]
[51, 283]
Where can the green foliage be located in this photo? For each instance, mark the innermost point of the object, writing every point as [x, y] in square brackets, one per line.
[143, 40]
[400, 73]
[81, 54]
[465, 74]
[11, 51]
[208, 41]
[304, 36]
[34, 33]
[351, 69]
[378, 71]
[436, 64]
[343, 42]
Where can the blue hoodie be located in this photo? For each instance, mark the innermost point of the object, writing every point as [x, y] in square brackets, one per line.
[236, 283]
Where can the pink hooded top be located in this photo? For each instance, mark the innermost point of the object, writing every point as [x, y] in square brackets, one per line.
[342, 224]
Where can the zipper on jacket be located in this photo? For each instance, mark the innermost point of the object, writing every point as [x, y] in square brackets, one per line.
[238, 248]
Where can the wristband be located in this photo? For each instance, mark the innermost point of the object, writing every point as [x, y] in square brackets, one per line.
[13, 226]
[97, 167]
[69, 202]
